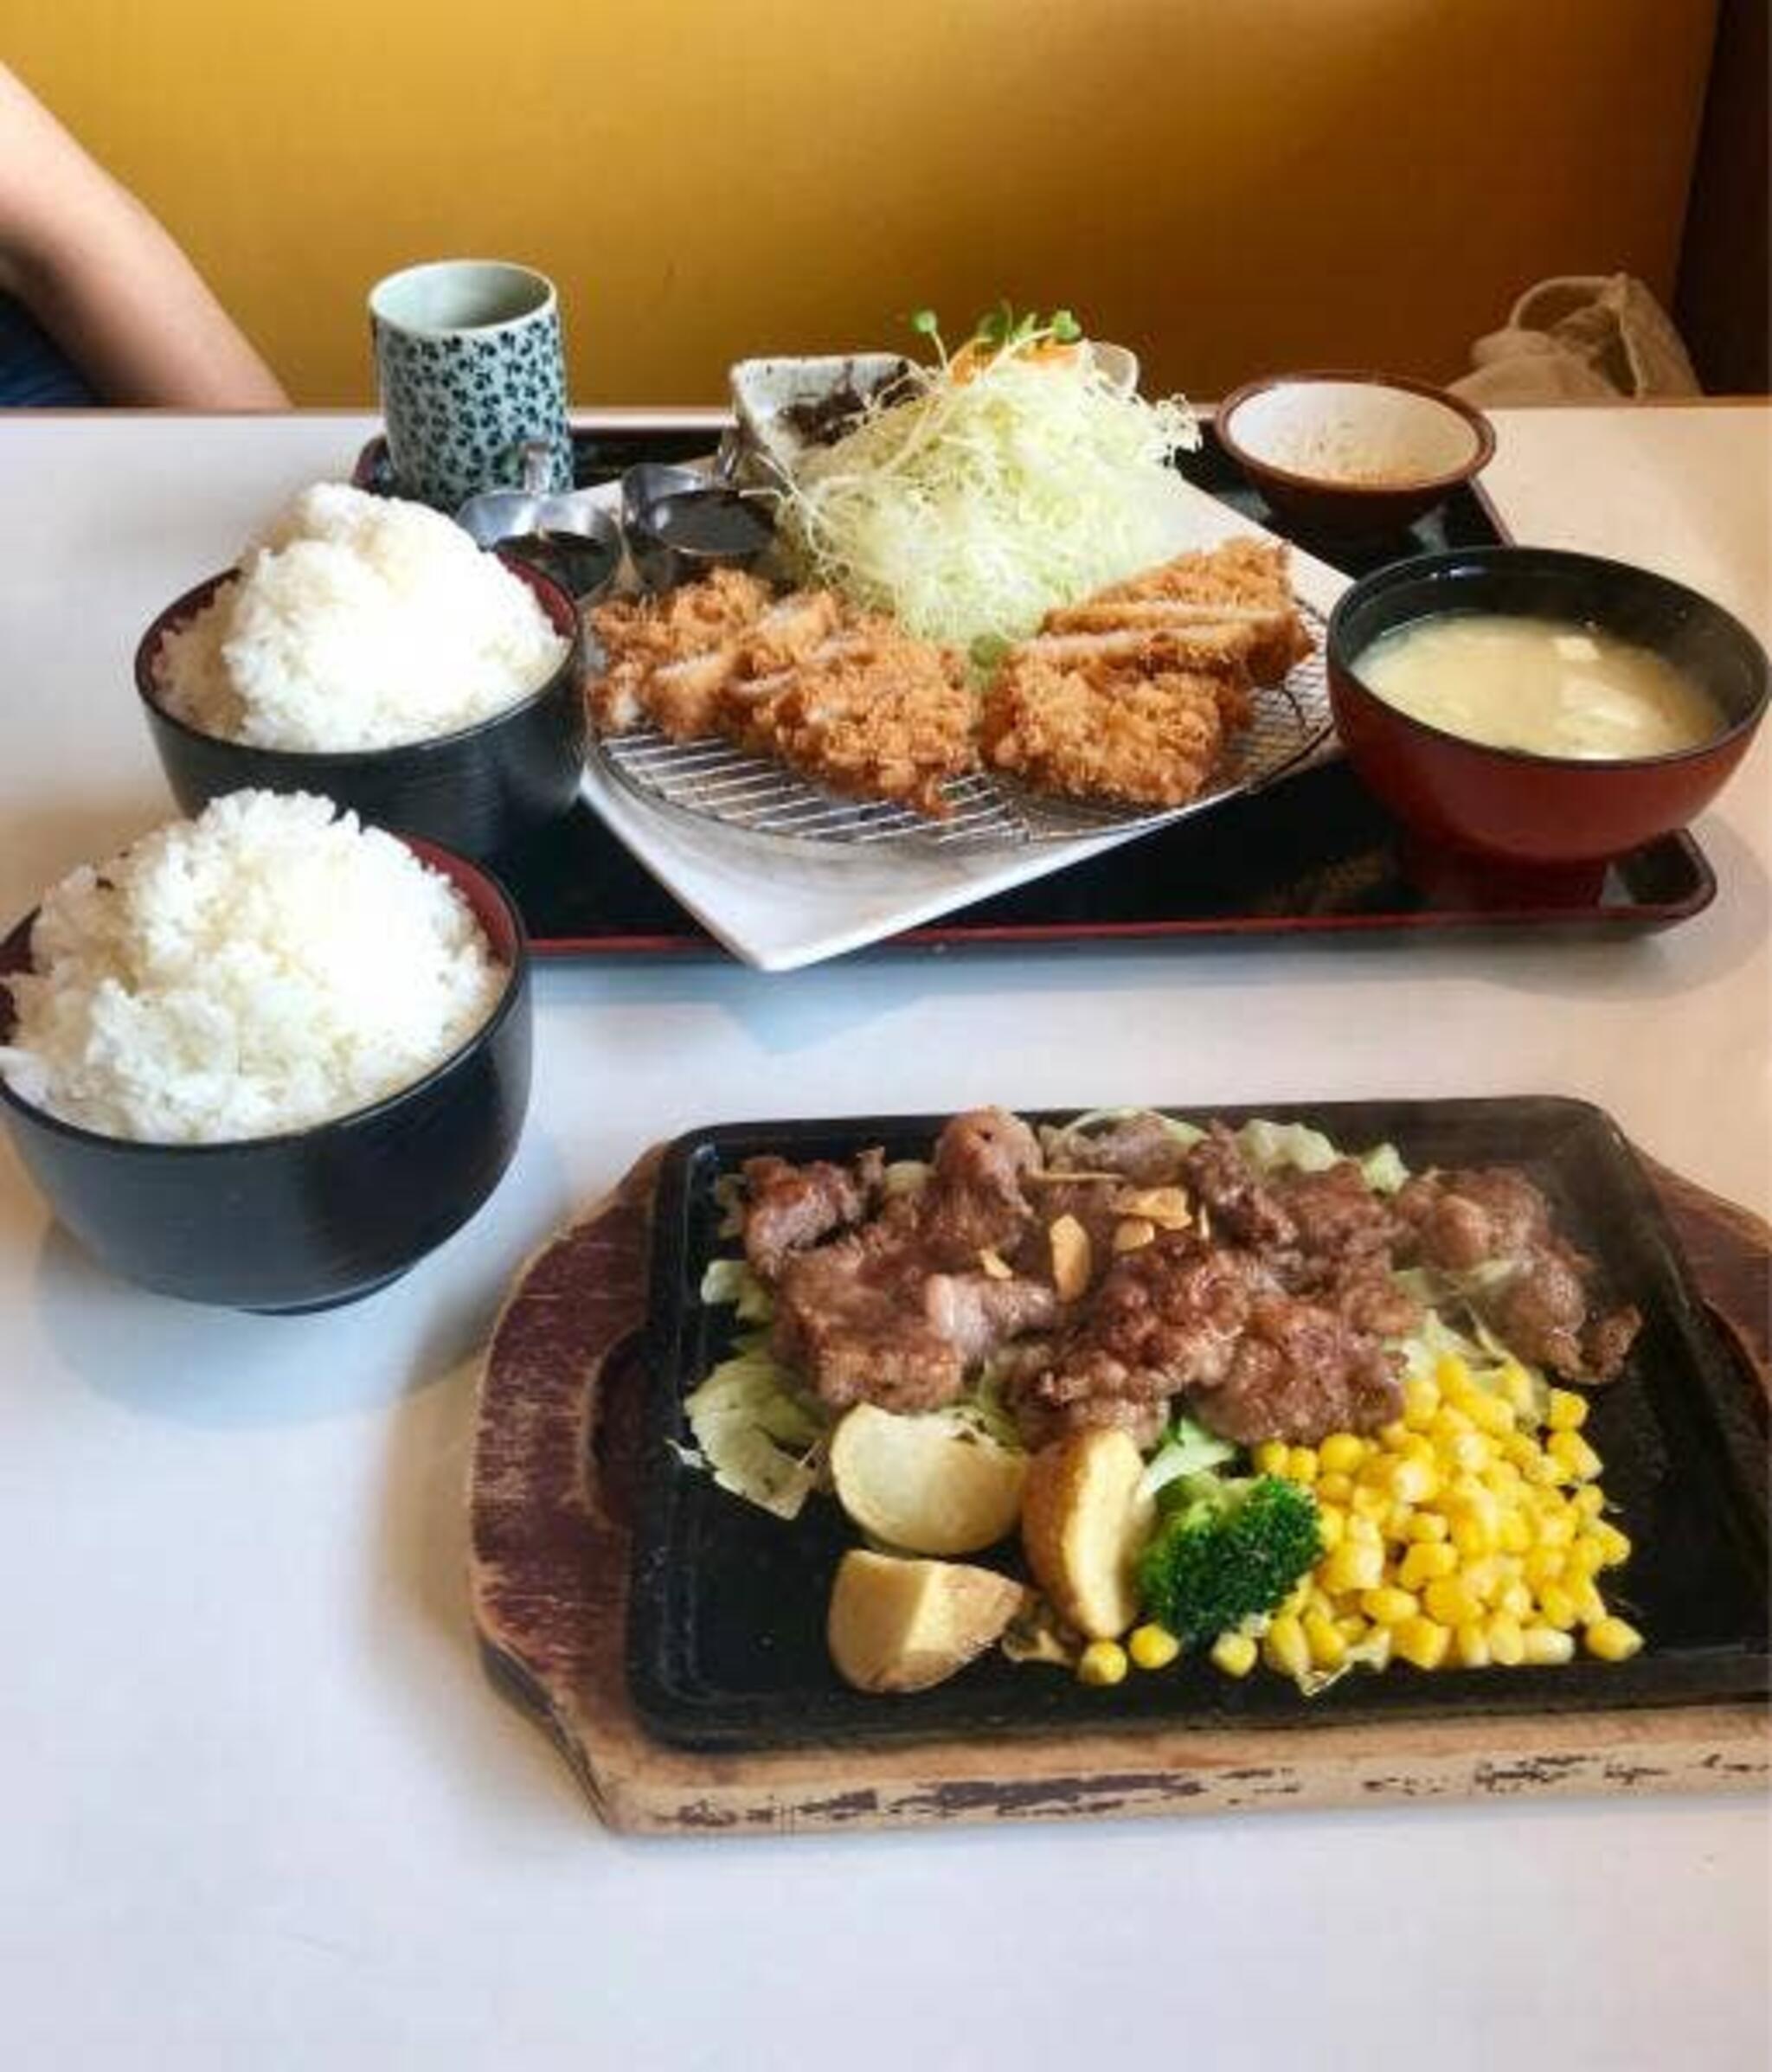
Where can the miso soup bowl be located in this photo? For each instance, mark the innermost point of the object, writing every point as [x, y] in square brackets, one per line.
[479, 791]
[313, 1217]
[1507, 805]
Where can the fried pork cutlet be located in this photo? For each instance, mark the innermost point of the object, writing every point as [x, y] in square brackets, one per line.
[875, 715]
[1241, 586]
[640, 636]
[1150, 740]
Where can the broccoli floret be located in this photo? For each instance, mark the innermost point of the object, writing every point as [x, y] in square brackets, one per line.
[1226, 1549]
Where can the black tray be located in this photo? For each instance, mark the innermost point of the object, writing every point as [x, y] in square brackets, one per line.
[1316, 854]
[1319, 856]
[726, 1646]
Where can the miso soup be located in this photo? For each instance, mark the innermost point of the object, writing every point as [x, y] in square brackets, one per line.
[1549, 686]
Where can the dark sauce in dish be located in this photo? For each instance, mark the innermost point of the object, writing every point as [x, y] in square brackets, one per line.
[580, 562]
[718, 524]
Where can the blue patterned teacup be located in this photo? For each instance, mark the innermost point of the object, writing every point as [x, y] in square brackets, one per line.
[469, 360]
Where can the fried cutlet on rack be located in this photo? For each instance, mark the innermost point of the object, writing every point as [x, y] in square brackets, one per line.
[872, 715]
[1132, 695]
[843, 697]
[1239, 594]
[1145, 739]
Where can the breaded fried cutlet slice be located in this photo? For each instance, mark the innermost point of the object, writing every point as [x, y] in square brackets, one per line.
[1146, 648]
[1244, 583]
[1137, 740]
[641, 635]
[883, 717]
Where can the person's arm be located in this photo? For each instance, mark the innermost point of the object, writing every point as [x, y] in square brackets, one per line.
[107, 282]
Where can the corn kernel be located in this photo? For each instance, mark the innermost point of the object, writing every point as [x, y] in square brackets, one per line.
[1391, 1436]
[1566, 1412]
[1362, 1529]
[1515, 1599]
[1351, 1567]
[1423, 1641]
[1397, 1522]
[1491, 1413]
[1270, 1456]
[1513, 1534]
[1506, 1643]
[1588, 1502]
[1285, 1648]
[1450, 1372]
[1153, 1646]
[1424, 1561]
[1574, 1455]
[1470, 1646]
[1469, 1451]
[1341, 1454]
[1235, 1653]
[1547, 1644]
[1555, 1526]
[1484, 1576]
[1451, 1600]
[1335, 1488]
[1520, 1447]
[1103, 1662]
[1386, 1605]
[1352, 1628]
[1378, 1644]
[1613, 1639]
[1449, 1422]
[1589, 1606]
[1473, 1533]
[1543, 1565]
[1369, 1503]
[1300, 1465]
[1583, 1558]
[1421, 1398]
[1516, 1384]
[1331, 1523]
[1328, 1649]
[1557, 1608]
[1414, 1480]
[1429, 1526]
[1615, 1546]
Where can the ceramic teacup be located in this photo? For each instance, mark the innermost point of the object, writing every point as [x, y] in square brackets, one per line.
[469, 360]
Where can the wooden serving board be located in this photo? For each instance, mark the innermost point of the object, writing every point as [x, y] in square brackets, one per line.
[553, 1464]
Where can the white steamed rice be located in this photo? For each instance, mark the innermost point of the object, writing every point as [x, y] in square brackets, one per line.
[258, 970]
[357, 622]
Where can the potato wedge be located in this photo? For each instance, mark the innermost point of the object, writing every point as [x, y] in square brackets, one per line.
[1083, 1523]
[898, 1625]
[932, 1484]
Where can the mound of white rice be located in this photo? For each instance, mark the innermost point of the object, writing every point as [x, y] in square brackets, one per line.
[357, 622]
[258, 970]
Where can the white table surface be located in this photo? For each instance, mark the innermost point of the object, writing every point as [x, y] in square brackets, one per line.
[259, 1806]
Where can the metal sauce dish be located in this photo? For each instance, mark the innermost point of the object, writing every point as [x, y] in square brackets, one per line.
[564, 534]
[681, 523]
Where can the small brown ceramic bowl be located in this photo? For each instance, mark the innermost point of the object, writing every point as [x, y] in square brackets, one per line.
[1352, 455]
[478, 792]
[1505, 806]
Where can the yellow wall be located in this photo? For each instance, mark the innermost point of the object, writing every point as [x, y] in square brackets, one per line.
[1227, 185]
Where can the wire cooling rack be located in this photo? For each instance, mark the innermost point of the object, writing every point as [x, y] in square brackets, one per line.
[713, 780]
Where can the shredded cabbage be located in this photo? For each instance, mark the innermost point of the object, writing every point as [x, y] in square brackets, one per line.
[757, 1434]
[1269, 1145]
[731, 1280]
[971, 508]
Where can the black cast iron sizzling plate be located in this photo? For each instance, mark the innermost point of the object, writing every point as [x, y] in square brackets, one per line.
[726, 1646]
[1316, 856]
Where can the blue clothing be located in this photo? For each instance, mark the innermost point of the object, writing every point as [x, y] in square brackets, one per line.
[34, 372]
